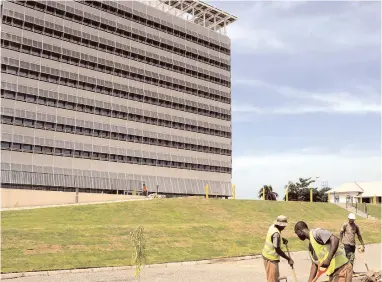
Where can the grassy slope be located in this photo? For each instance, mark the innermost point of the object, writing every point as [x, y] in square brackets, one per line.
[177, 230]
[374, 210]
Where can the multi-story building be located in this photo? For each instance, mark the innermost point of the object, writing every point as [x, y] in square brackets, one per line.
[112, 95]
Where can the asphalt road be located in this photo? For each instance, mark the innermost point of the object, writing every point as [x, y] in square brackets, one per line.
[240, 271]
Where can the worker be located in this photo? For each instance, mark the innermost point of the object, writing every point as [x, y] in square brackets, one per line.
[324, 252]
[145, 192]
[272, 249]
[347, 238]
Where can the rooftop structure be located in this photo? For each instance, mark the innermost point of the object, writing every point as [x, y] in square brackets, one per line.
[197, 12]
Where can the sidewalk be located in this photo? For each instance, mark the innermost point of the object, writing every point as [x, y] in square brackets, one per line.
[357, 212]
[248, 270]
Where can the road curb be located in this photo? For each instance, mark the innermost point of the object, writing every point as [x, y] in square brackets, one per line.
[118, 268]
[73, 204]
[8, 276]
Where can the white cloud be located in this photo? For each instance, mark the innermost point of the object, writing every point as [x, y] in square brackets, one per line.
[363, 99]
[296, 26]
[252, 171]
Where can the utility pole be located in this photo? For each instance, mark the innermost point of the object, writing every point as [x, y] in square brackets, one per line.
[76, 189]
[311, 190]
[287, 191]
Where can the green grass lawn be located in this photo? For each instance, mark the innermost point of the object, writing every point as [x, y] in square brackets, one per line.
[374, 210]
[177, 230]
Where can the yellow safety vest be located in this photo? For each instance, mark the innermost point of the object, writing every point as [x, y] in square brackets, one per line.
[322, 251]
[269, 251]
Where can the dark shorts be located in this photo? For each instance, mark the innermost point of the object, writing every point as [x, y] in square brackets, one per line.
[349, 249]
[350, 253]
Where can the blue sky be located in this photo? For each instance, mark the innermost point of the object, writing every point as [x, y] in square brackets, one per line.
[306, 92]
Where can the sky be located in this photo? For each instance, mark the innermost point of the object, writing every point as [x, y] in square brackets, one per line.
[306, 92]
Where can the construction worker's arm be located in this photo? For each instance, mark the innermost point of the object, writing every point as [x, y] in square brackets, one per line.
[314, 267]
[341, 236]
[277, 244]
[313, 271]
[334, 243]
[342, 232]
[281, 253]
[360, 237]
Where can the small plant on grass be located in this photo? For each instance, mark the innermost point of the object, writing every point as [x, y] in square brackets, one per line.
[232, 251]
[139, 254]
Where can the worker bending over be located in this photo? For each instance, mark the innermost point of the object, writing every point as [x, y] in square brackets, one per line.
[272, 249]
[325, 253]
[347, 237]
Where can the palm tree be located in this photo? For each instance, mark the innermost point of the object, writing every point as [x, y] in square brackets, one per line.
[270, 195]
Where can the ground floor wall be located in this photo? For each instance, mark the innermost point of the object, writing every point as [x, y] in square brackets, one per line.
[341, 198]
[13, 198]
[351, 197]
[31, 170]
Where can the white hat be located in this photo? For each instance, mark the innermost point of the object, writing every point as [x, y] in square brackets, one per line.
[351, 216]
[281, 221]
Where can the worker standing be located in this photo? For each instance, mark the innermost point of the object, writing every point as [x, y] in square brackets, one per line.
[325, 253]
[272, 249]
[145, 192]
[347, 237]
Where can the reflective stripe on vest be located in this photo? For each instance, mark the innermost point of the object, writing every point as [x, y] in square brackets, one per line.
[322, 251]
[269, 251]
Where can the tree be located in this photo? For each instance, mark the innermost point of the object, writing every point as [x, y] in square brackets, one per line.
[300, 191]
[322, 197]
[270, 195]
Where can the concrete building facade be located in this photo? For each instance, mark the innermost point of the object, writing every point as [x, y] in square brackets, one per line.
[113, 95]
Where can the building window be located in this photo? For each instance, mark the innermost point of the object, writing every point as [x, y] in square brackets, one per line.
[5, 145]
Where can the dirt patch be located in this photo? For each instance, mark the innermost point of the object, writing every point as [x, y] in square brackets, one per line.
[43, 249]
[77, 247]
[113, 243]
[104, 248]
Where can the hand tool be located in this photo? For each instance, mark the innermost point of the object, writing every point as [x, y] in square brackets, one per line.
[294, 271]
[320, 271]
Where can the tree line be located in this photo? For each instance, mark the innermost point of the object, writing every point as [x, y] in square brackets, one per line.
[297, 191]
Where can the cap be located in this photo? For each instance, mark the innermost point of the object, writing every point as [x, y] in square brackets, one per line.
[281, 221]
[351, 216]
